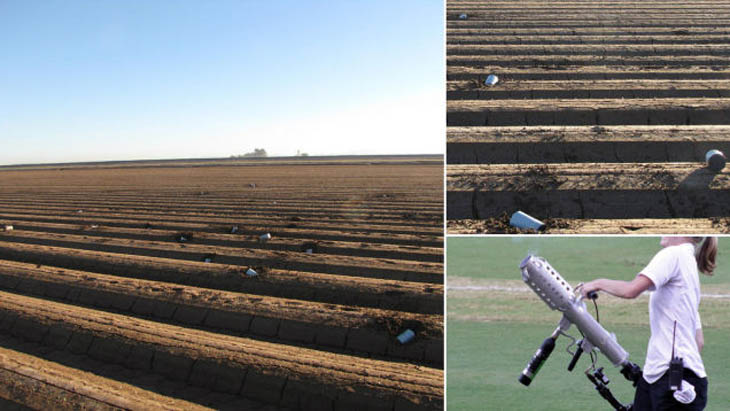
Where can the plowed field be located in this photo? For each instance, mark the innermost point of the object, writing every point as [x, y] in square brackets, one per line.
[130, 286]
[600, 120]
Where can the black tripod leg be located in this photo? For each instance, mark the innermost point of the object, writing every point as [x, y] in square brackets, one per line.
[607, 395]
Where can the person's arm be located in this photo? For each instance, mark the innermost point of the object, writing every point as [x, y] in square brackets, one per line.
[700, 339]
[623, 289]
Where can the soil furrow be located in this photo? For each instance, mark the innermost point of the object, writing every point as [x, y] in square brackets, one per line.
[407, 218]
[234, 239]
[196, 356]
[166, 295]
[325, 288]
[285, 260]
[582, 144]
[217, 218]
[598, 226]
[509, 89]
[602, 191]
[550, 39]
[292, 230]
[623, 50]
[322, 326]
[562, 62]
[586, 73]
[351, 207]
[47, 385]
[640, 111]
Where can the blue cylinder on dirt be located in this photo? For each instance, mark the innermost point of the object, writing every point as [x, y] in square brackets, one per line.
[525, 221]
[715, 160]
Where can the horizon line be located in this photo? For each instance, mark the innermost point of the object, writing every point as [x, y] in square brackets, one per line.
[230, 158]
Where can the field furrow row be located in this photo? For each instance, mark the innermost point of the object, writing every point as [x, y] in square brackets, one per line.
[584, 144]
[600, 113]
[237, 240]
[219, 219]
[588, 73]
[257, 370]
[565, 61]
[593, 112]
[326, 288]
[412, 217]
[157, 279]
[364, 331]
[300, 261]
[588, 190]
[291, 230]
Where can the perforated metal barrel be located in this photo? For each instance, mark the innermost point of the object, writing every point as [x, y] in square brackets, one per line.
[552, 288]
[547, 283]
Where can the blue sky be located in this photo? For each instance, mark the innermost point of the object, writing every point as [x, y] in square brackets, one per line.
[115, 80]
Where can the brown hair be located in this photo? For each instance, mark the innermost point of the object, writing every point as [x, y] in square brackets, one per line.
[706, 255]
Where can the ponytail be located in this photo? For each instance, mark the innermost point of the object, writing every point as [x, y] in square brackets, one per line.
[706, 255]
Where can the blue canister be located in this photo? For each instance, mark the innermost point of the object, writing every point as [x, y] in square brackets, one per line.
[525, 221]
[406, 336]
[715, 160]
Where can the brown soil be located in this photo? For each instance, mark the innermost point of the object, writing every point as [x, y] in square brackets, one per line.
[286, 260]
[46, 385]
[501, 225]
[617, 176]
[117, 292]
[297, 321]
[116, 338]
[326, 288]
[616, 104]
[608, 226]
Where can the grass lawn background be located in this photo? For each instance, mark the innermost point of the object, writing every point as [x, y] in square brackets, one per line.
[494, 330]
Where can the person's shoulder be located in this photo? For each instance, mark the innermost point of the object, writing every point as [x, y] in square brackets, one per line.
[669, 252]
[677, 250]
[668, 256]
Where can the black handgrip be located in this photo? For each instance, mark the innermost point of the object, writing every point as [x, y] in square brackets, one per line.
[576, 356]
[537, 361]
[632, 372]
[592, 295]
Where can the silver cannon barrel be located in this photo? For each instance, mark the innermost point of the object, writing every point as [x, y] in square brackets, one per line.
[557, 293]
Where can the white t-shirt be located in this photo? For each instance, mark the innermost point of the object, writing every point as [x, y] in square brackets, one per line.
[675, 296]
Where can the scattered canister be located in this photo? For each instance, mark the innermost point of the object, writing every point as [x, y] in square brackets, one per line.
[491, 80]
[525, 221]
[715, 160]
[8, 227]
[265, 237]
[463, 16]
[309, 251]
[251, 272]
[406, 336]
[234, 229]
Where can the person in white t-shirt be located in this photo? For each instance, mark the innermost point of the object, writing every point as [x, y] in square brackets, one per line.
[673, 277]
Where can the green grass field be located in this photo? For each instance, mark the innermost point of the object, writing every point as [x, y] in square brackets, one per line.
[495, 327]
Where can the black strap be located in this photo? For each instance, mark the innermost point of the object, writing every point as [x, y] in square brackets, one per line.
[674, 333]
